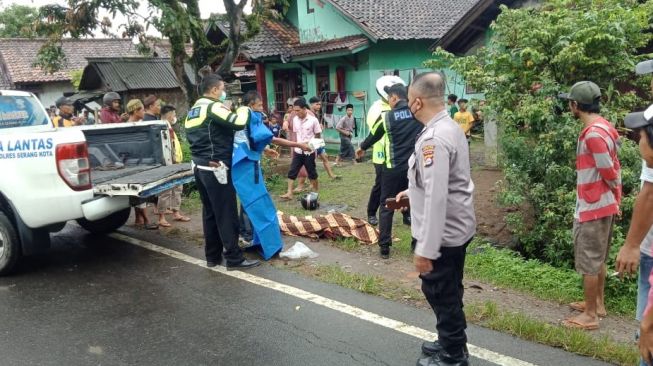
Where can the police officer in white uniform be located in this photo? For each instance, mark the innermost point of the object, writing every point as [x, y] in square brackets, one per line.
[443, 221]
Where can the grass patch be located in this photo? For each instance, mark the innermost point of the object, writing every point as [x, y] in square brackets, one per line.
[571, 340]
[502, 267]
[191, 203]
[373, 285]
[347, 244]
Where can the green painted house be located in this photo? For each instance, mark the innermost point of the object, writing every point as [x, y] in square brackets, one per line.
[337, 49]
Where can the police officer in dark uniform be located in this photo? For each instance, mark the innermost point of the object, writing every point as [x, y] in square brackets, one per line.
[443, 222]
[210, 128]
[398, 129]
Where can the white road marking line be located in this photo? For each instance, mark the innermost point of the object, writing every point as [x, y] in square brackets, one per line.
[395, 325]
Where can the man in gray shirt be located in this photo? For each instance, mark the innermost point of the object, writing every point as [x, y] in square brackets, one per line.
[443, 222]
[346, 127]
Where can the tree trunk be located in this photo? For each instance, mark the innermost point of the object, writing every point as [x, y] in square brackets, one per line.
[235, 12]
[178, 60]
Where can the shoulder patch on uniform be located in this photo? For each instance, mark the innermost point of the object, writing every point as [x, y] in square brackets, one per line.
[428, 153]
[194, 113]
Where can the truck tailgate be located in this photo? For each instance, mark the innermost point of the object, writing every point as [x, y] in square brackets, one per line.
[141, 181]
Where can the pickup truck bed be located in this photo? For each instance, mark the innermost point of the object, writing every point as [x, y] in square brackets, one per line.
[137, 163]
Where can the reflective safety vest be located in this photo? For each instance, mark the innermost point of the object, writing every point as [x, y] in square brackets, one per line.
[376, 113]
[210, 130]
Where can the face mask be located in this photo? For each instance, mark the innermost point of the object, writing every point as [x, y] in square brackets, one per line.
[412, 111]
[223, 97]
[174, 121]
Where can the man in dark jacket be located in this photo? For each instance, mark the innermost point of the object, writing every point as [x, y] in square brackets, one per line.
[399, 129]
[210, 128]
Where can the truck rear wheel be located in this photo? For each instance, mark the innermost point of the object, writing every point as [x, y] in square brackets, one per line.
[107, 224]
[9, 246]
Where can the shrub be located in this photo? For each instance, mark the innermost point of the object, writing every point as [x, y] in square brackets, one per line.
[534, 54]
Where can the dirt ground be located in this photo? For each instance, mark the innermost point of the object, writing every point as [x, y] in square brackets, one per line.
[365, 259]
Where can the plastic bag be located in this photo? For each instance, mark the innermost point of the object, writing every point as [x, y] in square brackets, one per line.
[299, 250]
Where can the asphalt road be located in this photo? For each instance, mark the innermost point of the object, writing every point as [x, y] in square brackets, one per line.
[101, 301]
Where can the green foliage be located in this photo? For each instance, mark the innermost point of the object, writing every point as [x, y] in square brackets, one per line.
[76, 78]
[18, 21]
[506, 268]
[51, 57]
[534, 54]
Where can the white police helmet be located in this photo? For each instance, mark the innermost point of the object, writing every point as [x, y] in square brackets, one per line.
[387, 81]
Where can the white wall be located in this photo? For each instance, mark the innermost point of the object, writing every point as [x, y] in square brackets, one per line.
[48, 93]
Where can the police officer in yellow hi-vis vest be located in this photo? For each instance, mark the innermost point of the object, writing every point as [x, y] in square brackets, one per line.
[375, 114]
[210, 129]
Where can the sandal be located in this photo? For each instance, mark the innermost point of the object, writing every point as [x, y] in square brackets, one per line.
[285, 198]
[181, 218]
[580, 306]
[165, 224]
[574, 324]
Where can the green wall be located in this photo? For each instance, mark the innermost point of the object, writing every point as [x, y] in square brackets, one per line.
[380, 58]
[292, 15]
[324, 23]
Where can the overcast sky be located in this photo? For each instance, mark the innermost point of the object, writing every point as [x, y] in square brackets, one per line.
[207, 7]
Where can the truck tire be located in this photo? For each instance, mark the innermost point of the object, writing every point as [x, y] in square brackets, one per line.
[9, 246]
[107, 224]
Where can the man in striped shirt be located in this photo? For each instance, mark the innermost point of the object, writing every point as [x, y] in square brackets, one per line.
[598, 197]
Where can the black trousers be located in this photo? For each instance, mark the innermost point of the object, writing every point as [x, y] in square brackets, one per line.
[443, 289]
[392, 182]
[375, 195]
[346, 148]
[219, 217]
[302, 160]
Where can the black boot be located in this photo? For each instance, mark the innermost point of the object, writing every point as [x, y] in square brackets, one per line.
[431, 348]
[443, 358]
[384, 250]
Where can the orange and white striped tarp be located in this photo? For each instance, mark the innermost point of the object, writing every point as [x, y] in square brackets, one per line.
[331, 226]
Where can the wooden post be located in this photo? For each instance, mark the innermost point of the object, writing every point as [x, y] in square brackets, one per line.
[261, 86]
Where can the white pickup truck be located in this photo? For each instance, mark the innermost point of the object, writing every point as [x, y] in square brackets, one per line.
[91, 174]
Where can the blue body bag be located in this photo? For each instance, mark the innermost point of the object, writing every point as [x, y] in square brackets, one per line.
[250, 187]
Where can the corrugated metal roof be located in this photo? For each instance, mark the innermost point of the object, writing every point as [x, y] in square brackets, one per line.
[121, 74]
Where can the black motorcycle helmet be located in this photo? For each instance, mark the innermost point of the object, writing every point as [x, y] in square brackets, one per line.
[310, 202]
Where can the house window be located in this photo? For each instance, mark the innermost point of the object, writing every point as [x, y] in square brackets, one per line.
[287, 84]
[309, 10]
[322, 79]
